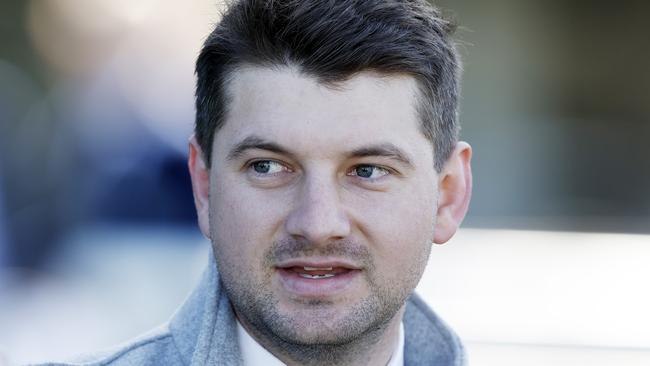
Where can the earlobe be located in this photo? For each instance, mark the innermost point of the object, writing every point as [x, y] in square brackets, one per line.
[455, 191]
[200, 175]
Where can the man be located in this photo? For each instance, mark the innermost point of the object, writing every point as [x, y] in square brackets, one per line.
[324, 165]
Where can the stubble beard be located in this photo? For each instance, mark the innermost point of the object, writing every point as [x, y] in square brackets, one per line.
[319, 334]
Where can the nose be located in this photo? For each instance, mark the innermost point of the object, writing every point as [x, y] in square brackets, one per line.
[319, 215]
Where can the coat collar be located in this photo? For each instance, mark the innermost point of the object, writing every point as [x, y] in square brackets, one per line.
[204, 326]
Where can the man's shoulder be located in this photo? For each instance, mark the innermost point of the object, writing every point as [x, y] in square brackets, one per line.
[156, 347]
[428, 340]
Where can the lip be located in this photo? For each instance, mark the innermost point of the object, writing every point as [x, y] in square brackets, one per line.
[317, 289]
[318, 263]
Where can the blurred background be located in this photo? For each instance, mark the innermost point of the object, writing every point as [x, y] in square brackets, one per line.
[98, 240]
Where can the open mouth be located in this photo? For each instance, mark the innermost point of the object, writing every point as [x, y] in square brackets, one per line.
[318, 273]
[318, 278]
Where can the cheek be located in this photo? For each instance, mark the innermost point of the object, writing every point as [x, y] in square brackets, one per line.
[244, 222]
[407, 213]
[399, 228]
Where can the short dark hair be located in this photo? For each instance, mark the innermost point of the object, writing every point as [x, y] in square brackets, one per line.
[332, 40]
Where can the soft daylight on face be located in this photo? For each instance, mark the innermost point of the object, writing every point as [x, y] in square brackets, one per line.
[322, 203]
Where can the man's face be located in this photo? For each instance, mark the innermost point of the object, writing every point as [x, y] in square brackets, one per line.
[322, 203]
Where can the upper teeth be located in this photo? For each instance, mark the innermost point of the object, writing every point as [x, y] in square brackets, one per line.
[317, 268]
[306, 275]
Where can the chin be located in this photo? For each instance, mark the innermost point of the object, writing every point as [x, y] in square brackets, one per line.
[324, 323]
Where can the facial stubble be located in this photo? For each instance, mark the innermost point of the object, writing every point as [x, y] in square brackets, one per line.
[319, 333]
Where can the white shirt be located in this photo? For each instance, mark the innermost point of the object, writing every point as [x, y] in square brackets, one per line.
[254, 354]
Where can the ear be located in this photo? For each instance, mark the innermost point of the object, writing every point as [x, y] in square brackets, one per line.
[455, 191]
[200, 175]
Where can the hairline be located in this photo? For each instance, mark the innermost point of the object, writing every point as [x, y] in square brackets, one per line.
[420, 103]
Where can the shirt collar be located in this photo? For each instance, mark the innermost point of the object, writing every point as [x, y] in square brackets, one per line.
[397, 359]
[254, 354]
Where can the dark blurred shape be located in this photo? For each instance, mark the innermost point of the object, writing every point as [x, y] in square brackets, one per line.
[557, 106]
[160, 194]
[73, 151]
[4, 243]
[27, 136]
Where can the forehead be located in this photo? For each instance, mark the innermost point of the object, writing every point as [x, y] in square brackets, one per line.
[284, 105]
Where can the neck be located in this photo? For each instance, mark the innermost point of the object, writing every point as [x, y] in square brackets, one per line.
[374, 347]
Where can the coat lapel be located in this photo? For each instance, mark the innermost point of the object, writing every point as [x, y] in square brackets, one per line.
[204, 328]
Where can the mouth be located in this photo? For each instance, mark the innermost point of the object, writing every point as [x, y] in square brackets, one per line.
[318, 269]
[318, 273]
[317, 278]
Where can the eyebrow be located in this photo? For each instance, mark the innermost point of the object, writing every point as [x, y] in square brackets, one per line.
[255, 142]
[385, 149]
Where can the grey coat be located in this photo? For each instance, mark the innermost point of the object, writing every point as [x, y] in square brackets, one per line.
[203, 332]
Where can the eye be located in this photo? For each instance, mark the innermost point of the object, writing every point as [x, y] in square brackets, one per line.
[367, 171]
[267, 167]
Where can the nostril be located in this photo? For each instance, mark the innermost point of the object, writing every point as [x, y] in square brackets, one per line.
[321, 224]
